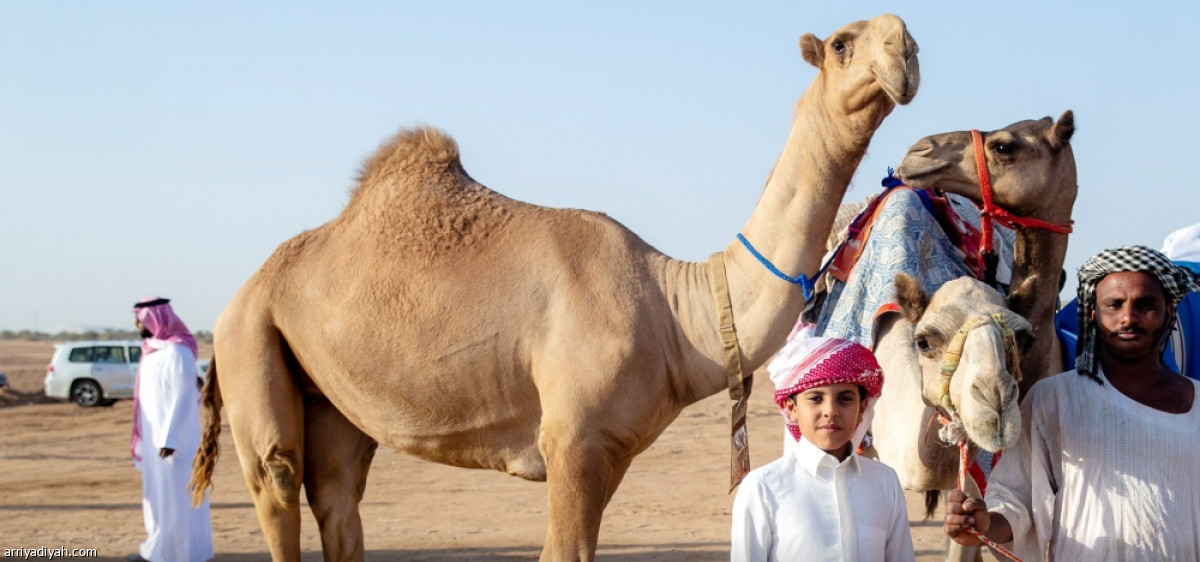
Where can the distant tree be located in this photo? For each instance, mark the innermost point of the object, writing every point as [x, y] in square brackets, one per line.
[111, 334]
[107, 334]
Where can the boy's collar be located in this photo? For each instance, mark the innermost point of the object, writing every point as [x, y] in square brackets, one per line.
[812, 457]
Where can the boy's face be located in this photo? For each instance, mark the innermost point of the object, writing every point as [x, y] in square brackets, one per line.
[828, 416]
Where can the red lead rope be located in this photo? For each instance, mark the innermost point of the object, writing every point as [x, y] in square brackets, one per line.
[962, 476]
[991, 213]
[962, 480]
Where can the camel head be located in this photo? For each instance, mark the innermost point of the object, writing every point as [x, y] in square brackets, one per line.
[982, 389]
[866, 64]
[1030, 163]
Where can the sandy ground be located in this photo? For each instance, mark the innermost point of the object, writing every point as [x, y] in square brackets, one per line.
[66, 481]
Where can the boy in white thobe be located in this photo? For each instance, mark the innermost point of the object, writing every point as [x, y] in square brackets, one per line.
[821, 501]
[166, 436]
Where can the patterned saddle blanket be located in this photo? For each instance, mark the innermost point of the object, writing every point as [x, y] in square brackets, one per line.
[905, 233]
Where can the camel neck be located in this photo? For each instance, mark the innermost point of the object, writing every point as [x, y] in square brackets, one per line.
[788, 226]
[1041, 253]
[792, 219]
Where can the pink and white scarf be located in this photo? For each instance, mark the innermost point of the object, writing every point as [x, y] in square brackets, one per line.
[807, 361]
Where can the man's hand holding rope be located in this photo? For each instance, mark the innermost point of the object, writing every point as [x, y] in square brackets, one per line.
[964, 515]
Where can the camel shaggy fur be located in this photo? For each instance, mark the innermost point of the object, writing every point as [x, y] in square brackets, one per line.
[447, 321]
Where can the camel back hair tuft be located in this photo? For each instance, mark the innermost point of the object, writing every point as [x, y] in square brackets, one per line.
[412, 151]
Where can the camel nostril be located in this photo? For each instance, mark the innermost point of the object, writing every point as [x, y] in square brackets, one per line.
[992, 397]
[910, 46]
[922, 148]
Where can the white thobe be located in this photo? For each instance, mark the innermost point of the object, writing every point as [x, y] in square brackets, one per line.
[808, 506]
[1097, 475]
[169, 417]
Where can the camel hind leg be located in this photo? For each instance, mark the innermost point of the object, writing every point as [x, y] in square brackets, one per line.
[337, 456]
[266, 416]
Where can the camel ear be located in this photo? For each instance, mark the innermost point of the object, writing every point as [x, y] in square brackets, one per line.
[1021, 299]
[1060, 134]
[911, 297]
[812, 49]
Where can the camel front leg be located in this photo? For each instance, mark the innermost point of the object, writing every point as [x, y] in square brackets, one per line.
[614, 480]
[337, 456]
[579, 472]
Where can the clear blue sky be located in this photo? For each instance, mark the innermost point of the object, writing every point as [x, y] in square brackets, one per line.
[168, 148]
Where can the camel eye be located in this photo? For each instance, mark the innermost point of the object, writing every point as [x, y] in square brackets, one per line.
[1004, 148]
[923, 344]
[1025, 341]
[839, 47]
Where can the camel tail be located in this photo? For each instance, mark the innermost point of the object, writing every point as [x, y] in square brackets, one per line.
[931, 501]
[210, 447]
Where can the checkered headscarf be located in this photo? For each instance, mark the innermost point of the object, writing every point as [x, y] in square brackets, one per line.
[1176, 282]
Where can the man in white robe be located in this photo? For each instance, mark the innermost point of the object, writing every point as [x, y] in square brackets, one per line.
[166, 435]
[1105, 467]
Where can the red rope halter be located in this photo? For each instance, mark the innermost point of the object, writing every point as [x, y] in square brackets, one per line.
[990, 213]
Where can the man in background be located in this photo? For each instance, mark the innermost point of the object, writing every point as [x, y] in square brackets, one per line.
[1183, 351]
[166, 435]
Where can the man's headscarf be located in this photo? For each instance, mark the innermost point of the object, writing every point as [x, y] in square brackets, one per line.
[1176, 283]
[156, 314]
[807, 361]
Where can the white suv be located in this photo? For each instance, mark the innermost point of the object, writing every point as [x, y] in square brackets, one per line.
[96, 373]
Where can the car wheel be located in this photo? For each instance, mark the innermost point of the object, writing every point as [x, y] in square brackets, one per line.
[86, 393]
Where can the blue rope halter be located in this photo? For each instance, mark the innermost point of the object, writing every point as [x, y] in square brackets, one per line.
[806, 284]
[803, 281]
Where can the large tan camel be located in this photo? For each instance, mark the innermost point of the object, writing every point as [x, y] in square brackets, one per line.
[447, 321]
[1032, 169]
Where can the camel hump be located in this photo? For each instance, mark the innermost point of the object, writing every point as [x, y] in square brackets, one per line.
[422, 149]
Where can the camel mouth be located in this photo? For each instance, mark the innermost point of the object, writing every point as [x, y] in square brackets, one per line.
[900, 87]
[992, 439]
[995, 433]
[994, 443]
[919, 173]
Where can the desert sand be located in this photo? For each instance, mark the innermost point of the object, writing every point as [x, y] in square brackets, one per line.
[66, 480]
